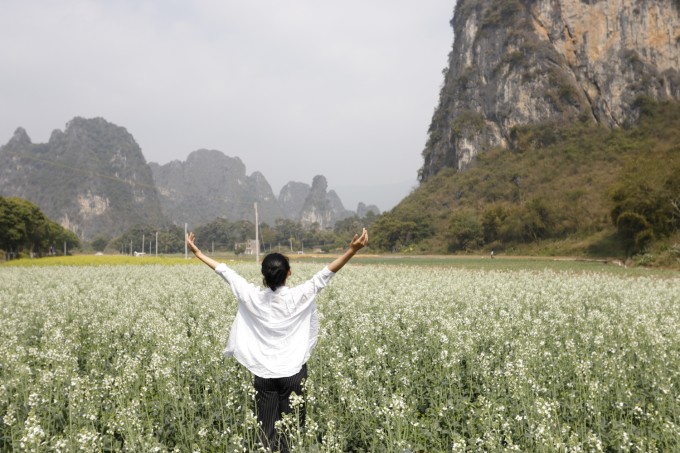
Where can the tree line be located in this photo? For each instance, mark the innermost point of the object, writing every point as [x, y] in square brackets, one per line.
[587, 189]
[223, 235]
[559, 188]
[25, 229]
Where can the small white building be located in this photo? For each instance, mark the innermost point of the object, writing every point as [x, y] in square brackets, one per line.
[249, 247]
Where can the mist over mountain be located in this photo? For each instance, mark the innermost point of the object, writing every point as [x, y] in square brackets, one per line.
[93, 179]
[210, 184]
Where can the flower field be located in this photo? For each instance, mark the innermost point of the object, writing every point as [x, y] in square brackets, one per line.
[410, 358]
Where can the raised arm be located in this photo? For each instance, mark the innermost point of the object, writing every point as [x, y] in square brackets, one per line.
[358, 242]
[195, 250]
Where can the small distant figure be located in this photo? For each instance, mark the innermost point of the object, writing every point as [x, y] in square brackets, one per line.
[492, 257]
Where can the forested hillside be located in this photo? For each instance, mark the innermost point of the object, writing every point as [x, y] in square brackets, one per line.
[579, 189]
[556, 132]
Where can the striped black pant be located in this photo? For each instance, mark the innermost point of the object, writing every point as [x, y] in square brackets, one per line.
[272, 396]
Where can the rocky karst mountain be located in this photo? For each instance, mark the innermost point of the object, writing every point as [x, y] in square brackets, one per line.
[316, 204]
[292, 199]
[91, 178]
[210, 184]
[363, 210]
[519, 62]
[322, 206]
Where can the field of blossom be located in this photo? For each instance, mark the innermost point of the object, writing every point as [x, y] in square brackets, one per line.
[410, 358]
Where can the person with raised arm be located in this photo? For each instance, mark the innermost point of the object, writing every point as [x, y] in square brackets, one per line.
[275, 331]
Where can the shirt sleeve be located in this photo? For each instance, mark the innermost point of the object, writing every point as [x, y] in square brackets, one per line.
[306, 293]
[239, 285]
[321, 279]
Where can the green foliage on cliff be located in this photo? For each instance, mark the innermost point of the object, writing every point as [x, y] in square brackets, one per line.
[559, 189]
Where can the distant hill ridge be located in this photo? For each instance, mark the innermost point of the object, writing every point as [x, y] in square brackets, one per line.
[93, 179]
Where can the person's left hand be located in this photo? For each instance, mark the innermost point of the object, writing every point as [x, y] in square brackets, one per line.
[359, 242]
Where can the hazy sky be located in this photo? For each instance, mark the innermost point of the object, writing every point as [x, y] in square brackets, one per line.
[294, 88]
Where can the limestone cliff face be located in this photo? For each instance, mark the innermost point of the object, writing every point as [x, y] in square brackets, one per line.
[91, 178]
[292, 199]
[210, 184]
[517, 62]
[321, 206]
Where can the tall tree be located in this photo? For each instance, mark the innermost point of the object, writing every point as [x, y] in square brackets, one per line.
[24, 227]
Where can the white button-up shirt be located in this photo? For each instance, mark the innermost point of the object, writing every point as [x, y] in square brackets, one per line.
[274, 332]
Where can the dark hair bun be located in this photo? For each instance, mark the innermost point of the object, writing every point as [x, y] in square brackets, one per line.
[275, 267]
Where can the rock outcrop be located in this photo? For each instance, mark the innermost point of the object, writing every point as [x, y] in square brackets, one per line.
[321, 206]
[210, 184]
[91, 178]
[519, 62]
[292, 199]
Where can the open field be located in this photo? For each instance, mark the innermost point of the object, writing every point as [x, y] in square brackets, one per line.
[470, 262]
[469, 354]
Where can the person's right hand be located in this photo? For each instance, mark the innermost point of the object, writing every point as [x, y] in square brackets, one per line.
[191, 238]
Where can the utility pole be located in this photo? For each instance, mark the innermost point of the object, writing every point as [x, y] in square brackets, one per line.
[257, 236]
[143, 244]
[185, 241]
[156, 243]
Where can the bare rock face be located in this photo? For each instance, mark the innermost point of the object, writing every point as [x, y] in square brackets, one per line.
[292, 199]
[210, 184]
[91, 178]
[321, 206]
[540, 61]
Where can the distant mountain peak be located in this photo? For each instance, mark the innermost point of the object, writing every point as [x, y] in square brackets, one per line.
[92, 178]
[321, 206]
[20, 138]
